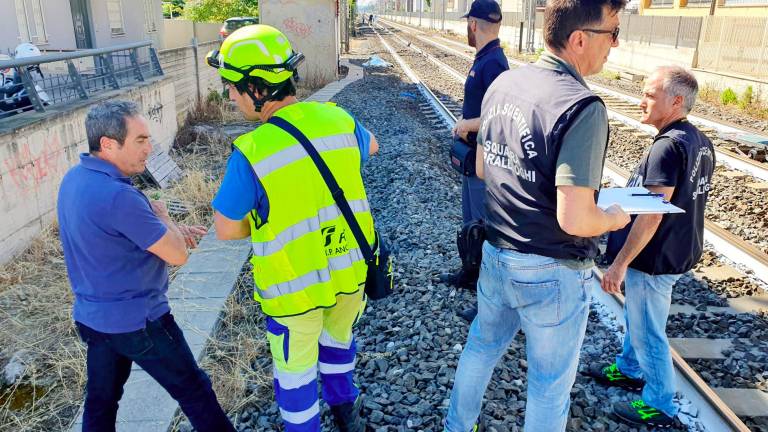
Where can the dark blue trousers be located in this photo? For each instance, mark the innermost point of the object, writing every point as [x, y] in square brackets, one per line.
[161, 350]
[472, 199]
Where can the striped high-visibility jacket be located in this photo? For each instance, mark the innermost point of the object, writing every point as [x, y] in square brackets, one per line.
[304, 254]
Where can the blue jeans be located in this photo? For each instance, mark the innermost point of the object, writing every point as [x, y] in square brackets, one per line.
[646, 349]
[161, 350]
[550, 302]
[472, 199]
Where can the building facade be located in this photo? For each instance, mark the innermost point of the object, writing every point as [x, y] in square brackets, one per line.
[67, 25]
[739, 8]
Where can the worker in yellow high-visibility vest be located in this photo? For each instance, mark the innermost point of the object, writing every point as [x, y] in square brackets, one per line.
[308, 271]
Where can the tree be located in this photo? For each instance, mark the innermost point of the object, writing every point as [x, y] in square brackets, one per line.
[170, 10]
[219, 10]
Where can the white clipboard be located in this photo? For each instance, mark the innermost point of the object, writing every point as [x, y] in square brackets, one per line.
[635, 200]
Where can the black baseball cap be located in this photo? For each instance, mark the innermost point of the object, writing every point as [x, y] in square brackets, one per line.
[486, 10]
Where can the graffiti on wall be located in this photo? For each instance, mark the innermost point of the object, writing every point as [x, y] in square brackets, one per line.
[298, 28]
[29, 169]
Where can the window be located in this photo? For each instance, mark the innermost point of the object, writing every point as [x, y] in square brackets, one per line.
[115, 14]
[150, 20]
[29, 14]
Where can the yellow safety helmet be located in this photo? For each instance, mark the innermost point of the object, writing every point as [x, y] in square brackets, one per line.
[259, 51]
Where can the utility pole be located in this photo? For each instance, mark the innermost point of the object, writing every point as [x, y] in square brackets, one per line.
[530, 18]
[712, 7]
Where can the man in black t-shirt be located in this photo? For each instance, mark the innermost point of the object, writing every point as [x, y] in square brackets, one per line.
[654, 250]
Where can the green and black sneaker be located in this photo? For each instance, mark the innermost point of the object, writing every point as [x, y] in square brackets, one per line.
[638, 413]
[612, 376]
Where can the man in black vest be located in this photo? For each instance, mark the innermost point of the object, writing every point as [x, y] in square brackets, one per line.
[541, 148]
[483, 24]
[654, 250]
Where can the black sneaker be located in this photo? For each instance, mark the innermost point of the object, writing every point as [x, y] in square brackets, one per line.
[638, 413]
[468, 314]
[611, 375]
[347, 416]
[459, 279]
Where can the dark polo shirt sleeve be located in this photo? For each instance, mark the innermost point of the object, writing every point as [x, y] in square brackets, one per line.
[665, 164]
[134, 218]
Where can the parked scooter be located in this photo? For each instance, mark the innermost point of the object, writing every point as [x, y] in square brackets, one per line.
[13, 95]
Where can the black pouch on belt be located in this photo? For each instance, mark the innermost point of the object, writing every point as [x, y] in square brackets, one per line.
[463, 154]
[379, 282]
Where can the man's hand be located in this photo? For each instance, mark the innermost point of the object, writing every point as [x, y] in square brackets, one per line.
[461, 129]
[613, 278]
[621, 219]
[159, 208]
[192, 234]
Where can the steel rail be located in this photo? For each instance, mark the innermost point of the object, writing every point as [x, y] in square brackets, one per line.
[448, 118]
[734, 160]
[713, 412]
[48, 58]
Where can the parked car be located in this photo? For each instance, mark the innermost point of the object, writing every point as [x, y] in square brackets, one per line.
[232, 24]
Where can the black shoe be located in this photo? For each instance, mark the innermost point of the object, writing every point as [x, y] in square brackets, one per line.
[638, 413]
[611, 375]
[347, 416]
[468, 314]
[459, 279]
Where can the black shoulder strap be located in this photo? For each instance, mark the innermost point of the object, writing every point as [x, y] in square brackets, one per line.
[330, 181]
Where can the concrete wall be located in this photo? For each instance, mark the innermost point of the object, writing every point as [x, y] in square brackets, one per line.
[720, 82]
[33, 159]
[179, 66]
[311, 26]
[645, 58]
[178, 33]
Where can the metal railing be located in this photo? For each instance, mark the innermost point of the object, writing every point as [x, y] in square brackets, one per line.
[34, 83]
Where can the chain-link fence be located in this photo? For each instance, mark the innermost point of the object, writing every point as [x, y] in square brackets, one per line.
[735, 45]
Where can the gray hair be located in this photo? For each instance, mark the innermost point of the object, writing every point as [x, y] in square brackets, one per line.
[679, 81]
[107, 119]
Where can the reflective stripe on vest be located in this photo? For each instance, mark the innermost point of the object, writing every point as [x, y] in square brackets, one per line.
[315, 277]
[304, 253]
[294, 153]
[306, 226]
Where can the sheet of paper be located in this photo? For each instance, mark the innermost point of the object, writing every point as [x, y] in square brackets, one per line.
[635, 200]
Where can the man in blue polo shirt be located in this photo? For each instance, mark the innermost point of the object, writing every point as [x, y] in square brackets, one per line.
[117, 245]
[483, 24]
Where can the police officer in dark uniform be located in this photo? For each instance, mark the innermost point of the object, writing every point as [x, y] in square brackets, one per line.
[483, 24]
[655, 250]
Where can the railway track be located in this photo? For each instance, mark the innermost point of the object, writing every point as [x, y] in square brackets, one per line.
[714, 412]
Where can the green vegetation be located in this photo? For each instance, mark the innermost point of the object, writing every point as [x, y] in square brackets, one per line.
[611, 75]
[728, 97]
[173, 8]
[746, 99]
[219, 10]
